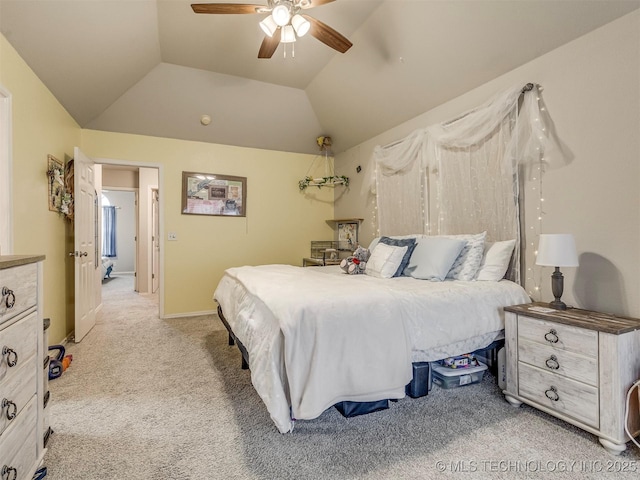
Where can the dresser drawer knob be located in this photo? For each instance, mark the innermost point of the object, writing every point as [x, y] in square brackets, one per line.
[552, 394]
[10, 301]
[552, 363]
[551, 336]
[8, 473]
[12, 409]
[12, 356]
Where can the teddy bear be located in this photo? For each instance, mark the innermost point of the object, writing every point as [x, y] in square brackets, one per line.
[357, 262]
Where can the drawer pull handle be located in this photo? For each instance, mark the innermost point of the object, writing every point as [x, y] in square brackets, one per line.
[551, 336]
[552, 394]
[552, 363]
[7, 473]
[11, 297]
[12, 409]
[12, 356]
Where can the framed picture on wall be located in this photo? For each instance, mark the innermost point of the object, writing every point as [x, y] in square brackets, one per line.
[348, 235]
[55, 173]
[214, 194]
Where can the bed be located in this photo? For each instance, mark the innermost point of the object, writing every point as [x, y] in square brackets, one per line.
[315, 336]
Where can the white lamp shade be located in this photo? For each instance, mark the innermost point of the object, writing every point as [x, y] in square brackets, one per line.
[300, 24]
[269, 26]
[281, 15]
[288, 35]
[557, 250]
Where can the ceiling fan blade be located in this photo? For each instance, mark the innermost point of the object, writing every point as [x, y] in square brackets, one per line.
[269, 45]
[226, 8]
[313, 3]
[328, 35]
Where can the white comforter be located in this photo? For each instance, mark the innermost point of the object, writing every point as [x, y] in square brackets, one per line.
[316, 336]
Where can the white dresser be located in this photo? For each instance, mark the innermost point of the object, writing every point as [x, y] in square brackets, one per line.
[577, 365]
[22, 353]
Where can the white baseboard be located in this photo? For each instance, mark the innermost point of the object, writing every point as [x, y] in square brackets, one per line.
[189, 314]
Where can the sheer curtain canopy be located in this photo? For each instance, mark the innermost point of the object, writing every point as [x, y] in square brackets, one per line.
[475, 159]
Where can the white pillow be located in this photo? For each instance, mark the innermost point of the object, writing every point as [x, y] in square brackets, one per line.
[433, 257]
[468, 262]
[496, 260]
[385, 260]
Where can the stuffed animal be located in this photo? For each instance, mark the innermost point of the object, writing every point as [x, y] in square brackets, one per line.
[357, 262]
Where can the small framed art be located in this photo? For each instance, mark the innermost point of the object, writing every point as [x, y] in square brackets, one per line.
[348, 235]
[55, 174]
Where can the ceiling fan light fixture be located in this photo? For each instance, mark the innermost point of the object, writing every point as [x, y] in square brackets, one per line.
[281, 15]
[269, 26]
[288, 35]
[300, 24]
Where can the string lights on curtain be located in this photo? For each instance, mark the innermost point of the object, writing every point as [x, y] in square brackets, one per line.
[464, 155]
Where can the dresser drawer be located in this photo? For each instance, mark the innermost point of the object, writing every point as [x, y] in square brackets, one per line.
[15, 393]
[18, 345]
[561, 337]
[21, 281]
[572, 398]
[555, 360]
[18, 443]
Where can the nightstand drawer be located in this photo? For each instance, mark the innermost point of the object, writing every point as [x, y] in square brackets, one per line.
[562, 362]
[566, 396]
[562, 337]
[19, 285]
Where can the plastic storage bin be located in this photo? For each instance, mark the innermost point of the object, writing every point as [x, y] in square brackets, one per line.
[446, 377]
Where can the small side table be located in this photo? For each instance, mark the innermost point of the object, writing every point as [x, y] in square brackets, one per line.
[576, 365]
[312, 262]
[319, 262]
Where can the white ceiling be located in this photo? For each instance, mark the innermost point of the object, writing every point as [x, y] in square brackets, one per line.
[154, 67]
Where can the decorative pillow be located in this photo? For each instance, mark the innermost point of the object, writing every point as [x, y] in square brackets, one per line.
[384, 260]
[410, 243]
[466, 265]
[495, 261]
[433, 257]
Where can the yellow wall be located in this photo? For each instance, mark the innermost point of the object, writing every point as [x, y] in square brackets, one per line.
[40, 126]
[280, 223]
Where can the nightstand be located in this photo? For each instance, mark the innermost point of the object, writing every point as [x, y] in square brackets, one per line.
[576, 365]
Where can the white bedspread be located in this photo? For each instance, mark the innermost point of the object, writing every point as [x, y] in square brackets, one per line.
[316, 336]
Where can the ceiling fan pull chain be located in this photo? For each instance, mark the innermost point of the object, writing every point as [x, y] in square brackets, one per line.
[293, 50]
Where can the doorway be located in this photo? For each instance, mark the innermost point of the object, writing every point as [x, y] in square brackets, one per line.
[133, 189]
[119, 232]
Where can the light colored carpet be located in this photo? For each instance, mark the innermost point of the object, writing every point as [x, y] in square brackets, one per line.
[166, 399]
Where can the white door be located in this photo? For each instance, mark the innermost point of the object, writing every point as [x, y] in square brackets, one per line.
[155, 220]
[85, 254]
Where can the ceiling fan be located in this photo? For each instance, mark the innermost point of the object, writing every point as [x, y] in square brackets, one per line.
[283, 23]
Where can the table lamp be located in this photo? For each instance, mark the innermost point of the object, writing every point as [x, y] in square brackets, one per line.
[557, 250]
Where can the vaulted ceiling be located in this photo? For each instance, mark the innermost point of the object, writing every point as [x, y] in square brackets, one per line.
[154, 67]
